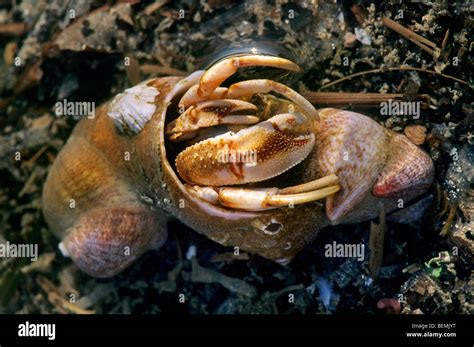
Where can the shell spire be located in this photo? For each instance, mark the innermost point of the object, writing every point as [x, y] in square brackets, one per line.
[408, 168]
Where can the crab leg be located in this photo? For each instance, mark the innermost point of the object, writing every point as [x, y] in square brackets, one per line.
[313, 185]
[190, 97]
[235, 91]
[260, 199]
[251, 87]
[221, 71]
[209, 113]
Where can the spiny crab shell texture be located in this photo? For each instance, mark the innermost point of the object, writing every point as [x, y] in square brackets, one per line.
[125, 186]
[272, 149]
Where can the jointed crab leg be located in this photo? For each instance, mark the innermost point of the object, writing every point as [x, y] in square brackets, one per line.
[313, 185]
[253, 154]
[260, 199]
[218, 73]
[189, 120]
[209, 113]
[254, 200]
[191, 97]
[221, 71]
[251, 87]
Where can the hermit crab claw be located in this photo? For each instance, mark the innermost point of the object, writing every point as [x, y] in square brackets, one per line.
[257, 153]
[253, 154]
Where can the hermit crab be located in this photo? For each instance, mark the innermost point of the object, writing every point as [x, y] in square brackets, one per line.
[252, 165]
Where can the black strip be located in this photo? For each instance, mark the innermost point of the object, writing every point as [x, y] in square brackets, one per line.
[119, 328]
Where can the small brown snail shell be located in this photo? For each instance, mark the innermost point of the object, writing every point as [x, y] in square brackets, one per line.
[415, 133]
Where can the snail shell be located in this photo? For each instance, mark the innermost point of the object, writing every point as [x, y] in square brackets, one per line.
[110, 192]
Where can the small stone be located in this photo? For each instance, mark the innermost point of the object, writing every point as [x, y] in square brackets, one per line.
[350, 39]
[363, 36]
[420, 289]
[416, 134]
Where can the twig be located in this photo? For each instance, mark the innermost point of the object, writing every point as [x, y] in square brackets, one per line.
[28, 184]
[335, 98]
[29, 163]
[449, 220]
[401, 68]
[331, 98]
[359, 13]
[376, 244]
[418, 40]
[55, 298]
[153, 7]
[445, 40]
[12, 29]
[407, 32]
[29, 78]
[443, 199]
[133, 71]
